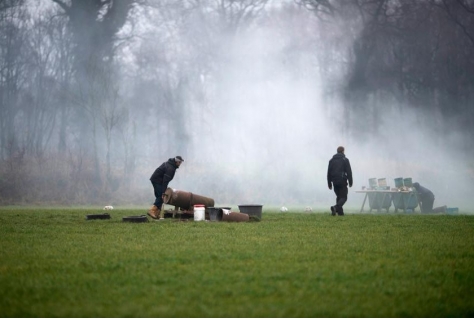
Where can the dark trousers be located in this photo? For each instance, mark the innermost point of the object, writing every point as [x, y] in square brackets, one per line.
[341, 197]
[159, 190]
[426, 205]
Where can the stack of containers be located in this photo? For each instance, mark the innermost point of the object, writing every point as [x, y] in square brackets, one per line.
[379, 200]
[404, 200]
[399, 182]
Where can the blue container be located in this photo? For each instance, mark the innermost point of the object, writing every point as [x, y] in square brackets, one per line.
[410, 202]
[452, 210]
[372, 183]
[382, 182]
[405, 201]
[399, 182]
[408, 182]
[379, 201]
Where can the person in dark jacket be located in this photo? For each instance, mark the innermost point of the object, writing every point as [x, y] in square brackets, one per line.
[426, 199]
[160, 180]
[339, 174]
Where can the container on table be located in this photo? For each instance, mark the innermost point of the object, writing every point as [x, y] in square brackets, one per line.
[408, 182]
[382, 182]
[398, 182]
[372, 183]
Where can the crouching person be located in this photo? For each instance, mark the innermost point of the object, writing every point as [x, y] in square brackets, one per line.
[160, 180]
[426, 199]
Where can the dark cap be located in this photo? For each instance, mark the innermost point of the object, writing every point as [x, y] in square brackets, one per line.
[179, 159]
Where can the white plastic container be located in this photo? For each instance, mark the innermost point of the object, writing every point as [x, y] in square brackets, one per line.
[199, 213]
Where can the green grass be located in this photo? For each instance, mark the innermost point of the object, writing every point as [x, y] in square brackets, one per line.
[54, 263]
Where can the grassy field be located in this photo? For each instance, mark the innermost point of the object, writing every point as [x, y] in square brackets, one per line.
[54, 263]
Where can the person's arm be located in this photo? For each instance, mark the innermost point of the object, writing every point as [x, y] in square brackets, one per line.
[169, 174]
[349, 172]
[329, 176]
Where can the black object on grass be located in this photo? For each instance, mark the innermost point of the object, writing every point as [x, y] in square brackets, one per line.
[98, 216]
[251, 210]
[135, 219]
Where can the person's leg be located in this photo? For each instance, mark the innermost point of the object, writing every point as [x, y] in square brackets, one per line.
[155, 210]
[341, 193]
[158, 190]
[333, 208]
[427, 205]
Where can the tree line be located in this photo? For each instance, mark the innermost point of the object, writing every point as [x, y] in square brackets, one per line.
[83, 83]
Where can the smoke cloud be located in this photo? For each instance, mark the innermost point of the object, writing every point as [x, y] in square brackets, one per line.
[260, 122]
[272, 130]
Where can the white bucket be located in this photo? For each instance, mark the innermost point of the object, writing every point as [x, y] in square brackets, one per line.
[199, 213]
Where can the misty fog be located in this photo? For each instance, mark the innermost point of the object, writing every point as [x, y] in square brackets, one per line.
[272, 134]
[256, 108]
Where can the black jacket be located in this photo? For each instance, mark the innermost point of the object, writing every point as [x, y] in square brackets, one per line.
[339, 170]
[164, 173]
[423, 192]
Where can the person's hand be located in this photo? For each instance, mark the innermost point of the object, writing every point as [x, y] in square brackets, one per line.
[330, 187]
[350, 185]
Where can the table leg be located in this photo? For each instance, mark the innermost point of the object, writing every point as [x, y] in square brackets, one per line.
[379, 208]
[383, 201]
[405, 206]
[417, 200]
[408, 202]
[363, 203]
[397, 204]
[415, 197]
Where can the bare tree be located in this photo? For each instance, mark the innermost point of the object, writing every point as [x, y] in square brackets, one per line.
[410, 50]
[183, 52]
[94, 25]
[39, 100]
[12, 70]
[461, 12]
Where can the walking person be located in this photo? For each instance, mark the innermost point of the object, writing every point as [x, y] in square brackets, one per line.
[426, 199]
[339, 175]
[160, 180]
